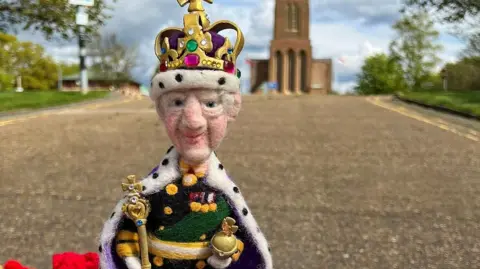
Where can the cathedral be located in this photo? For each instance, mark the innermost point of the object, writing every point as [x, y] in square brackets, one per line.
[291, 68]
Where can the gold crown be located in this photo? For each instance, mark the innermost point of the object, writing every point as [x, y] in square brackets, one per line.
[193, 46]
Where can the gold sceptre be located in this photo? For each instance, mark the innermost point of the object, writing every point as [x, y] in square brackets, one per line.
[137, 209]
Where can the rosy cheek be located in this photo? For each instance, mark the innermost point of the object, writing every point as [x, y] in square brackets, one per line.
[171, 121]
[218, 128]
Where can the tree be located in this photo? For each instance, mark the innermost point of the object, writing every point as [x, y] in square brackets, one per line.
[464, 15]
[464, 75]
[6, 79]
[50, 16]
[69, 69]
[112, 59]
[473, 46]
[380, 74]
[415, 49]
[455, 10]
[27, 60]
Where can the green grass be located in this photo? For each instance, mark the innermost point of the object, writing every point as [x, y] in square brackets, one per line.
[464, 101]
[10, 101]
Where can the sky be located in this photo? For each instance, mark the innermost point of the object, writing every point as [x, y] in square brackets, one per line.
[346, 31]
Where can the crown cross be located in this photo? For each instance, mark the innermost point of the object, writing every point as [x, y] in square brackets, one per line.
[228, 226]
[195, 5]
[132, 186]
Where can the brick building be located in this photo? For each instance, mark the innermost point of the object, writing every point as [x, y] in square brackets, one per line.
[291, 66]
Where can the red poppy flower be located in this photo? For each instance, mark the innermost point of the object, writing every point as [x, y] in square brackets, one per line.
[13, 264]
[72, 260]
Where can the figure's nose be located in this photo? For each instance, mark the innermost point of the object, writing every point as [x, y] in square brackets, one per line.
[192, 117]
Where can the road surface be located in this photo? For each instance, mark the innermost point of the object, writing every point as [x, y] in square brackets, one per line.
[334, 182]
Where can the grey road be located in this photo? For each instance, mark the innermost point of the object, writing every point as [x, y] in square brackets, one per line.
[335, 182]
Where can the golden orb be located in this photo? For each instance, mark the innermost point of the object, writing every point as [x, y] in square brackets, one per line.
[223, 244]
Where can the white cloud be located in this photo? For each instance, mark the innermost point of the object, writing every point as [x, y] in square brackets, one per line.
[347, 43]
[344, 87]
[348, 29]
[353, 62]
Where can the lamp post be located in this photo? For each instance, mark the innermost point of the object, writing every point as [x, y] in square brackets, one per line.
[82, 21]
[19, 84]
[60, 79]
[83, 52]
[444, 76]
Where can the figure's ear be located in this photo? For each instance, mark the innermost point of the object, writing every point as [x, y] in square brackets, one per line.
[160, 109]
[233, 111]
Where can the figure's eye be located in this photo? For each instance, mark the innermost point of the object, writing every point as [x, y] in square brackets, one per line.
[211, 104]
[178, 102]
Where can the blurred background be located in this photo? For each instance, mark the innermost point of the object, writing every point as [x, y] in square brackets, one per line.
[357, 145]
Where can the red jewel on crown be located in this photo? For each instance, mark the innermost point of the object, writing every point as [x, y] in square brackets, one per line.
[163, 67]
[229, 67]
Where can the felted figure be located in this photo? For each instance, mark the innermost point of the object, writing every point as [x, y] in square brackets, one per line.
[187, 213]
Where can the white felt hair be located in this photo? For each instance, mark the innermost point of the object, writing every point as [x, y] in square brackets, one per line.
[185, 79]
[216, 178]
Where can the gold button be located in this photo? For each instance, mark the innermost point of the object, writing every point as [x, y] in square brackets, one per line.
[172, 189]
[189, 180]
[200, 265]
[213, 207]
[195, 207]
[203, 237]
[205, 208]
[168, 210]
[158, 261]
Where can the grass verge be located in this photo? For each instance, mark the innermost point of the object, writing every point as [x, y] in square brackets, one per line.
[11, 101]
[464, 101]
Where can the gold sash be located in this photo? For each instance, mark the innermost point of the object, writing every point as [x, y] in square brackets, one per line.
[178, 250]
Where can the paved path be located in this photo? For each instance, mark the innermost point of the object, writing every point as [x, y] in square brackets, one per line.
[335, 182]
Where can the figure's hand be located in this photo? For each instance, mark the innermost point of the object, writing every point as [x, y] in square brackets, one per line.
[133, 263]
[219, 263]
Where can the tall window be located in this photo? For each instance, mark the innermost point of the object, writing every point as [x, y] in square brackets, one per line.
[294, 9]
[289, 16]
[280, 63]
[292, 17]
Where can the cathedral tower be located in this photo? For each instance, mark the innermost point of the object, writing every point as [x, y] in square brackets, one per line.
[290, 49]
[291, 65]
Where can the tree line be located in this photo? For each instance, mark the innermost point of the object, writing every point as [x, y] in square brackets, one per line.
[411, 61]
[408, 66]
[111, 59]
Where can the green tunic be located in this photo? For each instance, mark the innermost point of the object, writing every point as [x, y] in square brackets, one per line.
[182, 224]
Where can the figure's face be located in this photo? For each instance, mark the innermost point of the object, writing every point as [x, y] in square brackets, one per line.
[196, 122]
